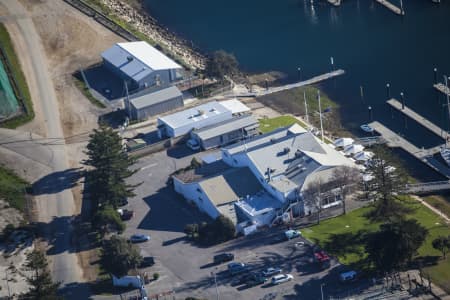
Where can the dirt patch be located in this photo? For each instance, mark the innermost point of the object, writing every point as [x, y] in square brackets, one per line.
[71, 41]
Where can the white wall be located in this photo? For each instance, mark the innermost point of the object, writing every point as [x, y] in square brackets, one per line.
[191, 193]
[202, 123]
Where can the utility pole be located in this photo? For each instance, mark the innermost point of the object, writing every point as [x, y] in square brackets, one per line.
[320, 114]
[215, 282]
[306, 107]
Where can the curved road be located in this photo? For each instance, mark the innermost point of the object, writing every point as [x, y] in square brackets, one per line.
[55, 207]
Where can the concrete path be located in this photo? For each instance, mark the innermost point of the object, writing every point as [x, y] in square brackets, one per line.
[435, 210]
[55, 206]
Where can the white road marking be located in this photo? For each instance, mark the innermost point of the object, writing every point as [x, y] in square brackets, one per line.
[149, 166]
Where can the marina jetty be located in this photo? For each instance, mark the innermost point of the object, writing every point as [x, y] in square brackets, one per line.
[442, 88]
[335, 2]
[395, 9]
[394, 140]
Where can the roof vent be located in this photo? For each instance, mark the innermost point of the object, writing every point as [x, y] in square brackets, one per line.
[130, 58]
[298, 153]
[286, 150]
[273, 140]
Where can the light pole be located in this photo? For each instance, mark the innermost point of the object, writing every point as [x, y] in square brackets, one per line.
[321, 290]
[215, 282]
[370, 113]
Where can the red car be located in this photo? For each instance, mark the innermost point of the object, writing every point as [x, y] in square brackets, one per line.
[322, 259]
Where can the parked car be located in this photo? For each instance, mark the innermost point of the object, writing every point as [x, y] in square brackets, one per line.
[348, 276]
[237, 268]
[271, 271]
[241, 279]
[147, 261]
[193, 144]
[277, 279]
[122, 202]
[290, 234]
[125, 214]
[139, 238]
[223, 257]
[256, 279]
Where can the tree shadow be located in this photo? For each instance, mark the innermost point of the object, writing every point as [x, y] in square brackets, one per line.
[57, 181]
[346, 243]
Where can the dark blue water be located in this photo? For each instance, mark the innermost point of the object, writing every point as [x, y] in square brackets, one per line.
[371, 43]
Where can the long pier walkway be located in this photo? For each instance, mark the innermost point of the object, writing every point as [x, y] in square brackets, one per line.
[424, 155]
[442, 88]
[271, 90]
[418, 118]
[392, 7]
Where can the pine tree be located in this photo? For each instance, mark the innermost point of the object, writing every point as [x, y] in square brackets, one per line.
[384, 189]
[42, 287]
[110, 168]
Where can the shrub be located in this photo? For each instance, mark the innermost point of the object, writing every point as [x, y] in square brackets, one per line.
[155, 276]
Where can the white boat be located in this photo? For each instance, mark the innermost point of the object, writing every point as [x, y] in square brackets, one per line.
[343, 142]
[445, 153]
[366, 128]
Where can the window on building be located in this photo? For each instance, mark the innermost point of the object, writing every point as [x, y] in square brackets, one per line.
[199, 190]
[234, 160]
[201, 200]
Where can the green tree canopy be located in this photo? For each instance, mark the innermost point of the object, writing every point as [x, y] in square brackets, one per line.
[40, 281]
[119, 256]
[110, 167]
[107, 217]
[385, 187]
[442, 244]
[221, 64]
[395, 244]
[220, 230]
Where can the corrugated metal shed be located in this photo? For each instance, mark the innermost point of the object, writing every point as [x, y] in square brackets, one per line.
[226, 126]
[138, 59]
[144, 100]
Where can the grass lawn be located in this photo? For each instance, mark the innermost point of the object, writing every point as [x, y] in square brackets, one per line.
[8, 48]
[344, 236]
[292, 102]
[268, 125]
[12, 188]
[440, 203]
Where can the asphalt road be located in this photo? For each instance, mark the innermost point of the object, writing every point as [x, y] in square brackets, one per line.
[55, 206]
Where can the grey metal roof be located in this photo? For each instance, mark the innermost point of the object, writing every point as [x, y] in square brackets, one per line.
[230, 186]
[142, 100]
[138, 59]
[195, 114]
[225, 127]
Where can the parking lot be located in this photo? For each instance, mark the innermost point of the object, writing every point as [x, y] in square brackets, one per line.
[187, 269]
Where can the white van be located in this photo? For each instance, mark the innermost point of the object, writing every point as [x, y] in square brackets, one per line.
[290, 234]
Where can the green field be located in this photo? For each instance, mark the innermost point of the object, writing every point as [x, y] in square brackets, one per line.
[8, 48]
[12, 188]
[343, 237]
[268, 125]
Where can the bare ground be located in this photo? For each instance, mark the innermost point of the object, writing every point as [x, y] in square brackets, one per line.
[71, 41]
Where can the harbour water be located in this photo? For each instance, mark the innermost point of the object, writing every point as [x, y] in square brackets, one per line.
[373, 45]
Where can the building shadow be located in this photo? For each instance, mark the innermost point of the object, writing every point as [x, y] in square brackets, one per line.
[57, 181]
[169, 212]
[104, 82]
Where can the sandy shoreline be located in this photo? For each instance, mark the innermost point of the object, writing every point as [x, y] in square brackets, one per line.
[143, 22]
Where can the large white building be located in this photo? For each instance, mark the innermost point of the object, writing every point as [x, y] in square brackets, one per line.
[286, 160]
[183, 122]
[271, 173]
[141, 65]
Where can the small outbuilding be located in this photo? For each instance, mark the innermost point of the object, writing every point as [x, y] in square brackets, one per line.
[226, 132]
[141, 65]
[183, 122]
[149, 103]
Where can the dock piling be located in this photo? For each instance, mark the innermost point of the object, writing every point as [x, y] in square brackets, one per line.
[402, 97]
[388, 91]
